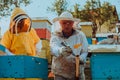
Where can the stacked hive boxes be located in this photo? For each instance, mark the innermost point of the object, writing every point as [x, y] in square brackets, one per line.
[43, 29]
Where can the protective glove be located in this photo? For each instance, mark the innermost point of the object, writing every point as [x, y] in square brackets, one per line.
[83, 57]
[8, 52]
[65, 51]
[81, 60]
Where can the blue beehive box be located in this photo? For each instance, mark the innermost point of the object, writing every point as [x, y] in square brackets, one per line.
[23, 67]
[89, 40]
[2, 48]
[105, 66]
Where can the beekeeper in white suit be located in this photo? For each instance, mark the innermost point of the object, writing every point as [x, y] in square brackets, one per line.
[65, 45]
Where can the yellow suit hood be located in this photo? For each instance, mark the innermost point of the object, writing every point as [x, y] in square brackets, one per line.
[17, 13]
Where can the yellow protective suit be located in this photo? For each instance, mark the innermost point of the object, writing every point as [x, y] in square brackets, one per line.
[22, 43]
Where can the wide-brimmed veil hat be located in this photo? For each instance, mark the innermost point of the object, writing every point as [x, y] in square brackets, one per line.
[66, 16]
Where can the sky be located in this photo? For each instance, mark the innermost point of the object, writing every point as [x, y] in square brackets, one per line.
[38, 8]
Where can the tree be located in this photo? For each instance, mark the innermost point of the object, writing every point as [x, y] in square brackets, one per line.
[91, 7]
[58, 6]
[6, 6]
[93, 11]
[97, 13]
[76, 11]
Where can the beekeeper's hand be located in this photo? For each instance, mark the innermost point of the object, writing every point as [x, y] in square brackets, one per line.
[66, 51]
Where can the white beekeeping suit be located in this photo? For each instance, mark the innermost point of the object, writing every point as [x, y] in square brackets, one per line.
[64, 65]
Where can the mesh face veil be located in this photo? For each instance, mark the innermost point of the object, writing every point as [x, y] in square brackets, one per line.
[24, 26]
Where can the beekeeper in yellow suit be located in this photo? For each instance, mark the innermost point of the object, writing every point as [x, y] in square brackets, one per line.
[21, 39]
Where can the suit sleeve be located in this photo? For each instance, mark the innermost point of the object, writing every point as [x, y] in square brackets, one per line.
[35, 36]
[55, 46]
[6, 40]
[84, 51]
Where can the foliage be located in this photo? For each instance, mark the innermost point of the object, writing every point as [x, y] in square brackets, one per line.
[97, 13]
[6, 6]
[93, 11]
[58, 6]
